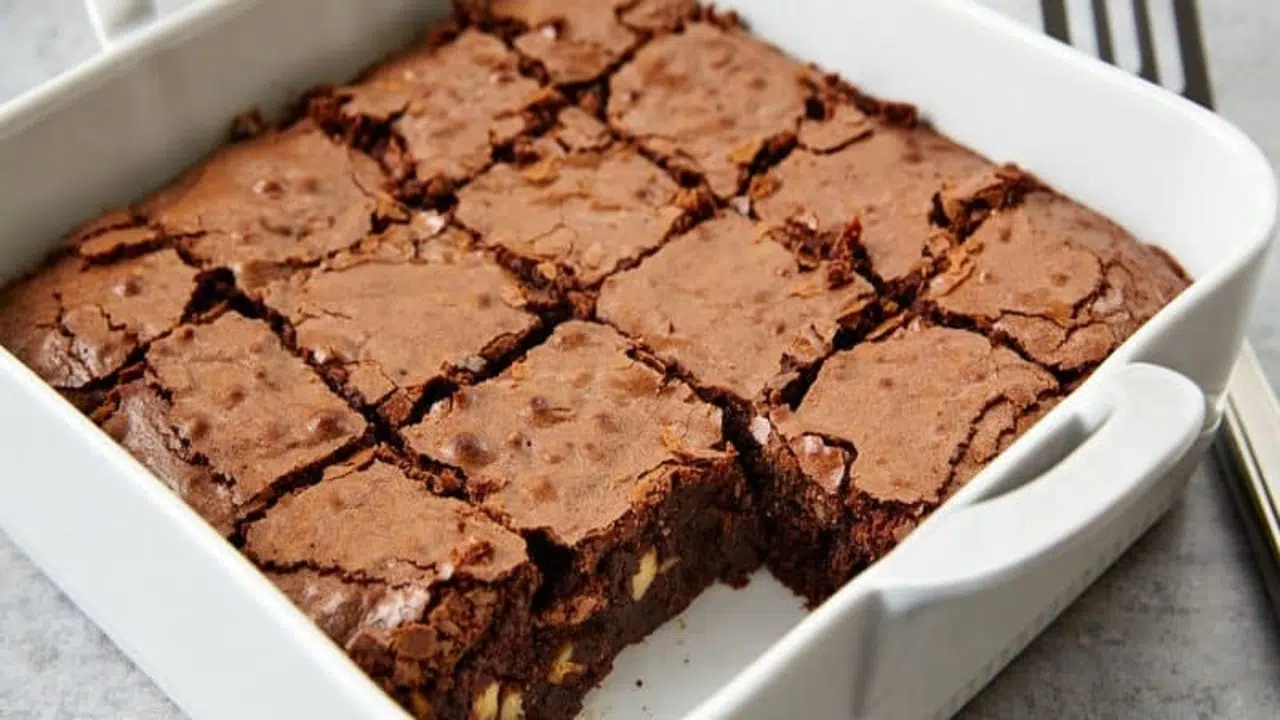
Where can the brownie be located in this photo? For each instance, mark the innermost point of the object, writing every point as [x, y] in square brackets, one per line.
[1060, 282]
[78, 321]
[428, 595]
[623, 483]
[570, 218]
[709, 101]
[284, 198]
[885, 181]
[734, 311]
[404, 312]
[228, 397]
[447, 105]
[140, 417]
[576, 41]
[933, 405]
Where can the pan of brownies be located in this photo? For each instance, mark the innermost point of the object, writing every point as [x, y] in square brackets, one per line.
[603, 358]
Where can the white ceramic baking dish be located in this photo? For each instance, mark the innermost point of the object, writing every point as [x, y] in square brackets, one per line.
[917, 634]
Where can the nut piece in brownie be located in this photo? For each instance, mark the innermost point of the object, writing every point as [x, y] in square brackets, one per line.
[229, 398]
[428, 595]
[1061, 282]
[402, 312]
[622, 481]
[933, 406]
[709, 101]
[885, 182]
[76, 322]
[446, 104]
[577, 41]
[733, 309]
[288, 197]
[570, 219]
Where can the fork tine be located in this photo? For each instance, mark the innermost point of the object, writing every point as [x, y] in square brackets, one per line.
[1147, 67]
[1195, 69]
[1054, 14]
[1102, 29]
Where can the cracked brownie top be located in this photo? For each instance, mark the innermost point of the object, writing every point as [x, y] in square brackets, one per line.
[933, 406]
[885, 181]
[241, 403]
[447, 104]
[566, 440]
[577, 41]
[1061, 282]
[76, 323]
[578, 215]
[291, 196]
[412, 306]
[734, 309]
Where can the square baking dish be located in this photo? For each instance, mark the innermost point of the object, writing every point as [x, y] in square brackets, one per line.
[917, 634]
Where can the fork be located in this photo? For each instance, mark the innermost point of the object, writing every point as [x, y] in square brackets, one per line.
[1249, 442]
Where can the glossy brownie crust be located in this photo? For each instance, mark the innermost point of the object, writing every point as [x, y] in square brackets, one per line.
[497, 356]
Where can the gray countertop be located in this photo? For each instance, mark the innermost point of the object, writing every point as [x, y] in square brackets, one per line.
[1179, 628]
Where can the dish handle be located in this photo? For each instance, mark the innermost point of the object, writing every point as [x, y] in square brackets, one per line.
[960, 597]
[113, 19]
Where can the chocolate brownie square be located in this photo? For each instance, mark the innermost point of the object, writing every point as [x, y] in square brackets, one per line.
[82, 318]
[284, 198]
[428, 595]
[888, 431]
[577, 41]
[711, 100]
[229, 398]
[621, 480]
[403, 312]
[571, 218]
[1062, 283]
[885, 182]
[735, 311]
[139, 416]
[446, 105]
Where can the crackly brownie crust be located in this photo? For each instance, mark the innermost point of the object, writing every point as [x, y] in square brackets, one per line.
[785, 316]
[241, 404]
[1065, 285]
[427, 594]
[569, 219]
[841, 491]
[623, 483]
[284, 198]
[77, 322]
[885, 181]
[577, 41]
[495, 357]
[403, 312]
[709, 100]
[445, 105]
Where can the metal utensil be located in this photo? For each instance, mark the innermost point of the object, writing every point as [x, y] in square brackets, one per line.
[1248, 444]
